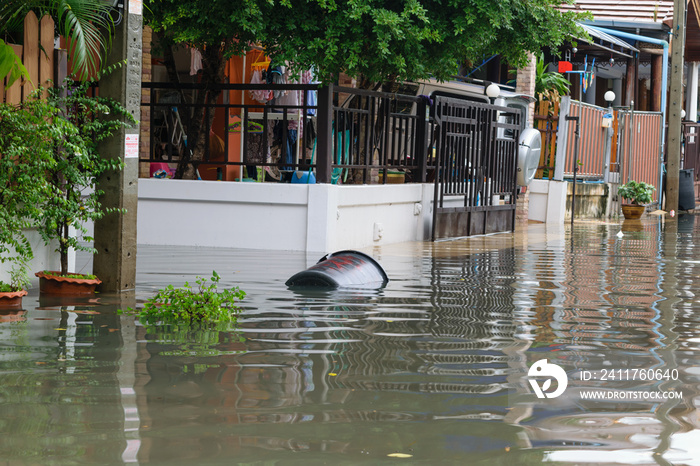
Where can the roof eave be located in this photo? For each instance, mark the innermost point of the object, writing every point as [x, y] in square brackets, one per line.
[634, 25]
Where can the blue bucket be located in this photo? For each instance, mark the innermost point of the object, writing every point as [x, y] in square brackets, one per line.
[303, 177]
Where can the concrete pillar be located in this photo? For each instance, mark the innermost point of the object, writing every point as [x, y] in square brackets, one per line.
[617, 89]
[115, 234]
[691, 89]
[675, 102]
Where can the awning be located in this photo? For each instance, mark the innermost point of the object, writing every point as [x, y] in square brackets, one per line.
[605, 41]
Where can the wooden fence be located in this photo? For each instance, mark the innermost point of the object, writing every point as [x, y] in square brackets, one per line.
[38, 56]
[546, 122]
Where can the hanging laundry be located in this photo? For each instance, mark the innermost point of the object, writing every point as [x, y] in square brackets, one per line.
[307, 77]
[195, 61]
[275, 75]
[290, 99]
[261, 95]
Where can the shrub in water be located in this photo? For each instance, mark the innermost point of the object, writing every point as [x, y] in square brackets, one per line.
[188, 305]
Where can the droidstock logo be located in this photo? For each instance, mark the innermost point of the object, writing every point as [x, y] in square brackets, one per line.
[542, 369]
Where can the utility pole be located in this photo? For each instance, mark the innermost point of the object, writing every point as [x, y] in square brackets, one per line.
[115, 234]
[673, 164]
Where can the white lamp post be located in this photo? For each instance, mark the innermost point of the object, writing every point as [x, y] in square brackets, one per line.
[493, 91]
[609, 97]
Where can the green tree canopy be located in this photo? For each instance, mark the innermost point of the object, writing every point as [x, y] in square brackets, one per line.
[380, 40]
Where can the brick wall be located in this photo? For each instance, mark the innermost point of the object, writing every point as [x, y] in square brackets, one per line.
[145, 132]
[525, 84]
[522, 207]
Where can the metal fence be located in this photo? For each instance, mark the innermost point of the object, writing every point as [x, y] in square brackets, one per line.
[476, 155]
[639, 140]
[591, 153]
[348, 136]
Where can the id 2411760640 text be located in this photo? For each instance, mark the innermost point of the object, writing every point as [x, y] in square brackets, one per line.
[630, 374]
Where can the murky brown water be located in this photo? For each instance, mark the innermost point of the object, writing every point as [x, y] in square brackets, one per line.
[434, 366]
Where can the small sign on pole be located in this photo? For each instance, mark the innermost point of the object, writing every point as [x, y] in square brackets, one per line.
[131, 146]
[136, 7]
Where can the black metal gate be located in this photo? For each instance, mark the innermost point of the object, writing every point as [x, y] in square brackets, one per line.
[475, 150]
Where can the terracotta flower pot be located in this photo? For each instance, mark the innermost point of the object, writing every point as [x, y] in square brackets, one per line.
[53, 283]
[11, 299]
[632, 211]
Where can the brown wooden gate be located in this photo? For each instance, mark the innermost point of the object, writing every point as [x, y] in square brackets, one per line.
[476, 148]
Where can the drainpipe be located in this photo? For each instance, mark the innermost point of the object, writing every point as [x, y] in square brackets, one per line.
[664, 86]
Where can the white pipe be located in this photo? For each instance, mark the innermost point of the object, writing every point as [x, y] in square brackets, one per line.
[691, 102]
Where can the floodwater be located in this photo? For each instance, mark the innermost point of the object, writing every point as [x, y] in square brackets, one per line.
[433, 369]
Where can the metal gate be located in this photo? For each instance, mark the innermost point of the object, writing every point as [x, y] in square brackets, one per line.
[475, 150]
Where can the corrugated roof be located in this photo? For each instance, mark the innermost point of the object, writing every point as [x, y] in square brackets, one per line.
[644, 11]
[606, 39]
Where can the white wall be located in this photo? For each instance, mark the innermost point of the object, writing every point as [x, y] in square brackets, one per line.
[315, 218]
[377, 214]
[45, 258]
[547, 201]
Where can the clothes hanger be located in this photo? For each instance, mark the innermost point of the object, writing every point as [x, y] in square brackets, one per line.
[261, 61]
[253, 127]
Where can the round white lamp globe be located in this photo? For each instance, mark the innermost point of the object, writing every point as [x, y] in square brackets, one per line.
[493, 90]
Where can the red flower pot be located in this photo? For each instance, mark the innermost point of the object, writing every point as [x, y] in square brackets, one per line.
[11, 299]
[53, 283]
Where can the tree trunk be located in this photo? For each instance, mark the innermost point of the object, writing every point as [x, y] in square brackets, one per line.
[213, 66]
[174, 77]
[63, 249]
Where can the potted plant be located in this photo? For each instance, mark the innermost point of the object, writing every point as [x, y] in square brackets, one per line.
[26, 150]
[11, 293]
[639, 194]
[74, 199]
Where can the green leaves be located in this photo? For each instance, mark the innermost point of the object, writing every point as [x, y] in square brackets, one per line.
[549, 84]
[49, 165]
[11, 65]
[76, 163]
[187, 305]
[380, 40]
[636, 192]
[26, 149]
[200, 320]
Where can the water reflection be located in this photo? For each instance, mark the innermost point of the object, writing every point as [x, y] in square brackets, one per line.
[434, 365]
[58, 390]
